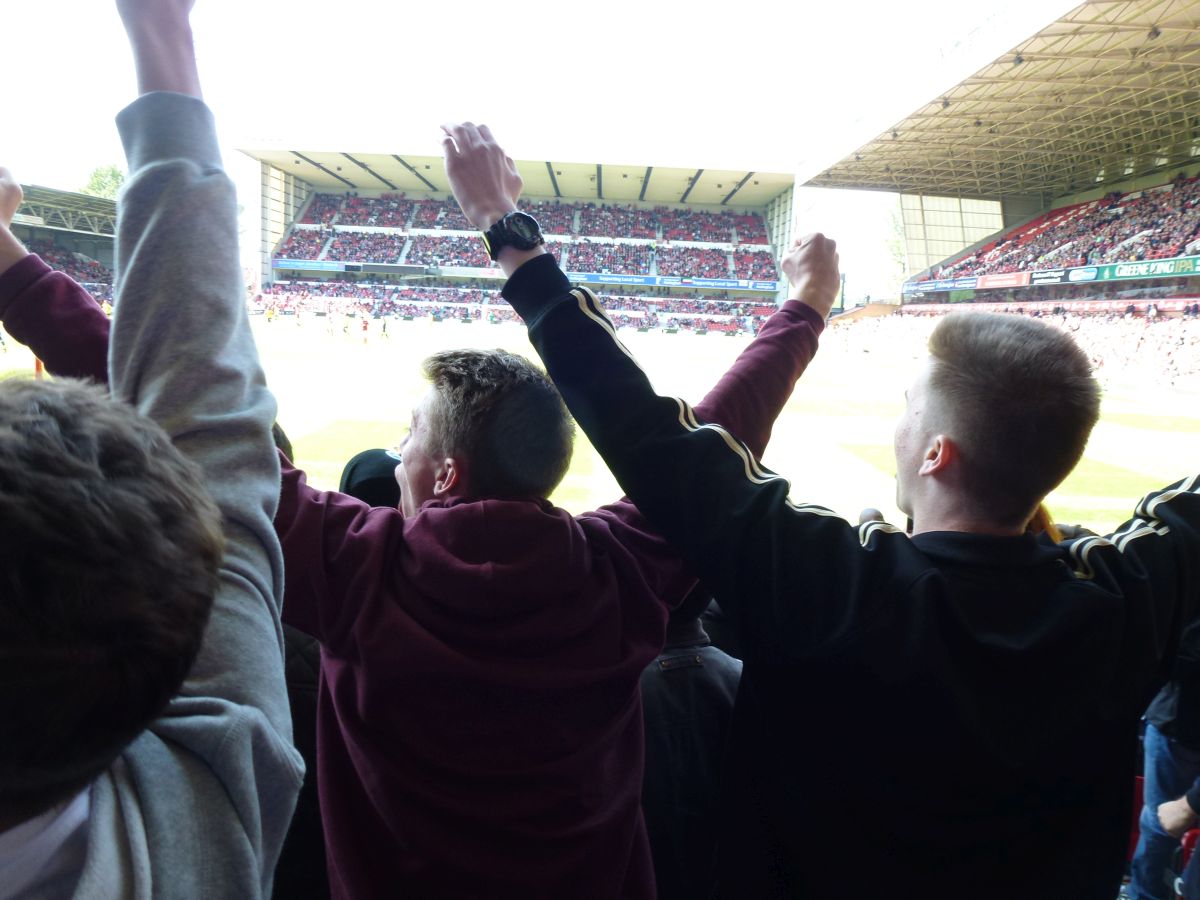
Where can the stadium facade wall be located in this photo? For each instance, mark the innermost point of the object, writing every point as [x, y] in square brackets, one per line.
[283, 196]
[936, 228]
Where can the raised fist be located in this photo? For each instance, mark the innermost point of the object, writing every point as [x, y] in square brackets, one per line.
[10, 197]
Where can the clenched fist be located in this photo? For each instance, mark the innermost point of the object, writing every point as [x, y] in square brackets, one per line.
[811, 267]
[10, 197]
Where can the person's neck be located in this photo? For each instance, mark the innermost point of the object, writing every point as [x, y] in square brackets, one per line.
[945, 514]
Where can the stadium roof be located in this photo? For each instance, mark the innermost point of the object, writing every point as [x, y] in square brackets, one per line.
[67, 210]
[338, 172]
[1109, 92]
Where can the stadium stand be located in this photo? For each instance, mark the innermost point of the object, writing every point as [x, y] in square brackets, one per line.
[322, 210]
[553, 216]
[82, 268]
[693, 262]
[430, 250]
[751, 229]
[693, 225]
[441, 214]
[358, 246]
[303, 243]
[756, 264]
[387, 211]
[1157, 223]
[617, 221]
[619, 257]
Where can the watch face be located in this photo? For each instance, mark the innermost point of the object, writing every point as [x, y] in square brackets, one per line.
[524, 227]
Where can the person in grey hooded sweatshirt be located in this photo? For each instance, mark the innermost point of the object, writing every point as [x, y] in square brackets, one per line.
[145, 744]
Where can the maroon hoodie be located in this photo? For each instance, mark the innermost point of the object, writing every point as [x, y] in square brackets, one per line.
[479, 722]
[480, 726]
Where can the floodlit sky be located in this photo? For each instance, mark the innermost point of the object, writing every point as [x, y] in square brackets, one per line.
[752, 84]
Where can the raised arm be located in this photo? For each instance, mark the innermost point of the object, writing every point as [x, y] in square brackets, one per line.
[181, 349]
[48, 311]
[694, 480]
[182, 354]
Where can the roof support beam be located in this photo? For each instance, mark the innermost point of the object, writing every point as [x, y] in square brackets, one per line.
[645, 182]
[327, 171]
[429, 184]
[741, 184]
[599, 181]
[692, 182]
[553, 179]
[370, 171]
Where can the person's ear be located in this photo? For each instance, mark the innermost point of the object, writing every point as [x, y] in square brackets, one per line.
[449, 477]
[941, 453]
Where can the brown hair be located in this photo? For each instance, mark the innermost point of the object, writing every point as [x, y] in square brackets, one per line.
[1019, 400]
[111, 547]
[505, 416]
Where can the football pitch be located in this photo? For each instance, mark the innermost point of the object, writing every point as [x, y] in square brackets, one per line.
[339, 394]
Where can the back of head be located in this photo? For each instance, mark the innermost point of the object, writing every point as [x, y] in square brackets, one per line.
[111, 547]
[1019, 400]
[505, 416]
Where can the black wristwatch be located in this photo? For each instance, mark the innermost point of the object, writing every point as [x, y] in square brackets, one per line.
[517, 229]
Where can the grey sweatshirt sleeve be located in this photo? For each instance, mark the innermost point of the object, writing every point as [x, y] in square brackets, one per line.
[182, 354]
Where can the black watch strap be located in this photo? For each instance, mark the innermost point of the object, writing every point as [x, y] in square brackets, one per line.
[517, 229]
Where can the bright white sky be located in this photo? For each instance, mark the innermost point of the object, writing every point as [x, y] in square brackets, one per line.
[751, 84]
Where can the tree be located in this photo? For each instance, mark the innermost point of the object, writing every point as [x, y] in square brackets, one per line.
[105, 181]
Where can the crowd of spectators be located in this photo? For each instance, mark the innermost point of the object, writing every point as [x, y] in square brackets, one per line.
[366, 246]
[756, 264]
[304, 243]
[441, 214]
[386, 211]
[79, 266]
[1158, 223]
[554, 217]
[619, 257]
[322, 209]
[608, 220]
[451, 250]
[696, 225]
[751, 229]
[693, 262]
[334, 298]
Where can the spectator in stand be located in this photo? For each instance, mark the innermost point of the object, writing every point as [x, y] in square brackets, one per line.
[1151, 224]
[619, 257]
[617, 221]
[1008, 673]
[459, 251]
[147, 745]
[322, 210]
[386, 211]
[303, 243]
[554, 216]
[693, 262]
[751, 229]
[81, 268]
[754, 264]
[362, 246]
[695, 225]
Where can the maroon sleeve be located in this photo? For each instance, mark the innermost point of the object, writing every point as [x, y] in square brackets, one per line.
[750, 396]
[336, 550]
[58, 320]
